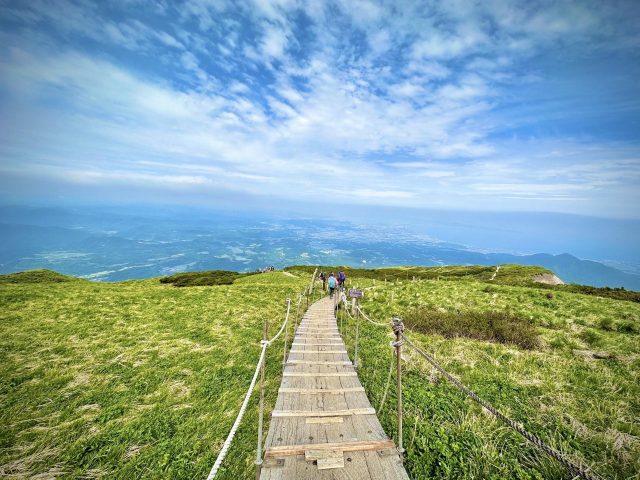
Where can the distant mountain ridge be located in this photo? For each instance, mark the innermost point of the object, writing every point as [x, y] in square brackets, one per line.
[574, 270]
[108, 246]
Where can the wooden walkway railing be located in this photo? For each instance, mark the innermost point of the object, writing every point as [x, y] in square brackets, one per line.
[323, 426]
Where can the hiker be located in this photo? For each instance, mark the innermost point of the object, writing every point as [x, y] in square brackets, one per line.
[323, 277]
[341, 279]
[332, 284]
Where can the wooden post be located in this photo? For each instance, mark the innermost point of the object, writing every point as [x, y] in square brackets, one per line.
[286, 334]
[355, 357]
[313, 280]
[297, 312]
[261, 408]
[398, 328]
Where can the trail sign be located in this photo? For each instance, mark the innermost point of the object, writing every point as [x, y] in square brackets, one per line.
[355, 293]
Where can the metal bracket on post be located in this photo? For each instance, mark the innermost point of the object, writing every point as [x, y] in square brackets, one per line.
[398, 328]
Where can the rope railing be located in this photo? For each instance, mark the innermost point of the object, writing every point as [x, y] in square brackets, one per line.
[364, 315]
[574, 469]
[236, 424]
[260, 369]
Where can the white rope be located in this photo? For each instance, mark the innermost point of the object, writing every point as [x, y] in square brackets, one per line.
[286, 320]
[344, 300]
[367, 318]
[236, 424]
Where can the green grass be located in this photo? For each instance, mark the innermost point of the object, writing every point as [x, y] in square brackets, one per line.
[133, 380]
[514, 275]
[578, 389]
[509, 274]
[605, 292]
[140, 379]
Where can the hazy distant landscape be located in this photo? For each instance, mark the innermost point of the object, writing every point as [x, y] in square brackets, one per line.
[105, 244]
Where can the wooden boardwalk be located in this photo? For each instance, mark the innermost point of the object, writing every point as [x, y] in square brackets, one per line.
[323, 426]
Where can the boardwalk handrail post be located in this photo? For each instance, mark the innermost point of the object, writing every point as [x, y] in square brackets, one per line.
[297, 313]
[398, 329]
[313, 280]
[261, 408]
[286, 334]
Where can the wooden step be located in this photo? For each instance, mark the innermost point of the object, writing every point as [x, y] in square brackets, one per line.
[318, 391]
[358, 446]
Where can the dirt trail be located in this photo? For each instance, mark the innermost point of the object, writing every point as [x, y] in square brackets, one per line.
[495, 273]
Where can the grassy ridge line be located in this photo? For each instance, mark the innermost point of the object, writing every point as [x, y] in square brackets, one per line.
[134, 379]
[514, 275]
[509, 274]
[583, 404]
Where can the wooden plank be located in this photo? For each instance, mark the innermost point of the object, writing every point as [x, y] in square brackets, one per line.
[308, 374]
[325, 459]
[314, 330]
[315, 391]
[324, 420]
[289, 450]
[317, 351]
[331, 462]
[315, 336]
[317, 362]
[323, 413]
[311, 455]
[318, 326]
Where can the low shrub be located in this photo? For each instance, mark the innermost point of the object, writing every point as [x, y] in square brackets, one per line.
[202, 279]
[605, 292]
[606, 324]
[36, 276]
[628, 327]
[592, 337]
[491, 326]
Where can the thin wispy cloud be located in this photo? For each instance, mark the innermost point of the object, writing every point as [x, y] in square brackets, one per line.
[448, 104]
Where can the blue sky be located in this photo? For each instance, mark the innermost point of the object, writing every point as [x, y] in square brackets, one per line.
[493, 105]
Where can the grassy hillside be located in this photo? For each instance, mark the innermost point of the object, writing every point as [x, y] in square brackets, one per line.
[141, 379]
[577, 386]
[131, 380]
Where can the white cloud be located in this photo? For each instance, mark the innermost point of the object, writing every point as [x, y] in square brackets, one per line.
[279, 112]
[274, 42]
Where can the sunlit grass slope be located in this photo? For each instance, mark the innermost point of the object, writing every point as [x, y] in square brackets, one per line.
[141, 379]
[577, 386]
[131, 380]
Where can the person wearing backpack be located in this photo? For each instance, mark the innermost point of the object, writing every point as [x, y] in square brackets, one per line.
[332, 284]
[341, 279]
